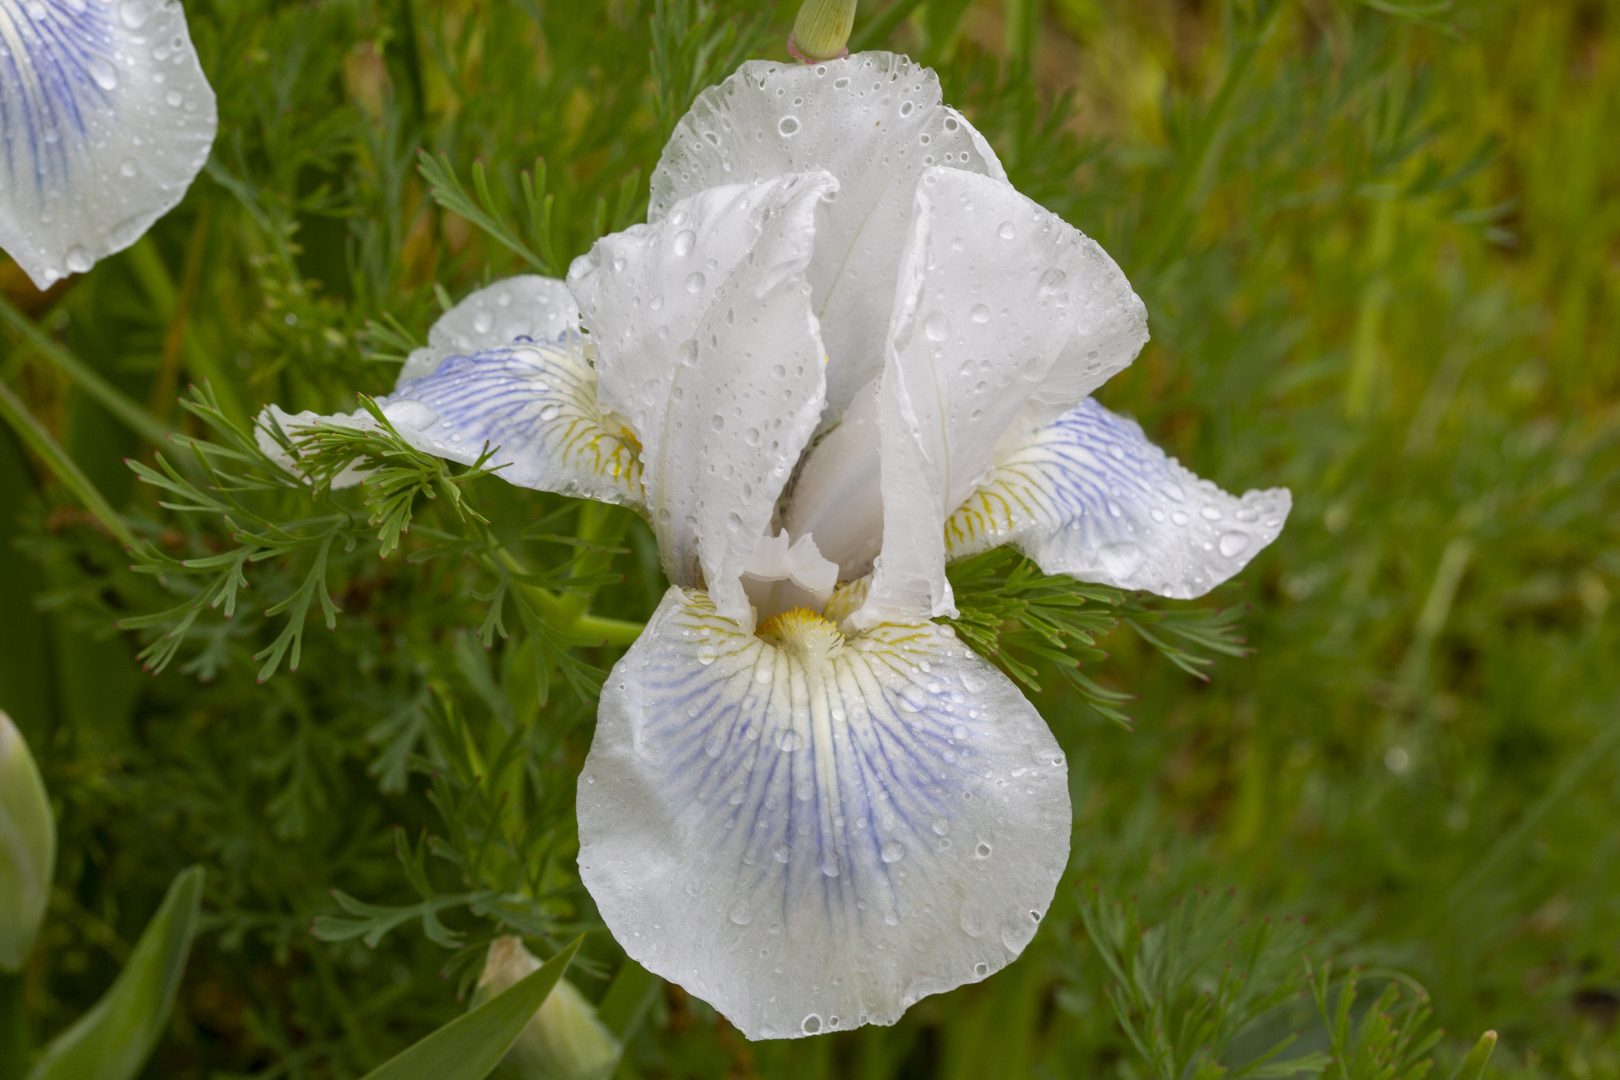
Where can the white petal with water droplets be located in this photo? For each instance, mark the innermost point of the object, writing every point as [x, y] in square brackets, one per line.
[706, 342]
[1006, 316]
[1088, 495]
[875, 122]
[527, 308]
[811, 836]
[105, 119]
[533, 407]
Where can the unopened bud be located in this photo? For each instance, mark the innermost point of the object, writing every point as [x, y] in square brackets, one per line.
[27, 848]
[821, 32]
[565, 1040]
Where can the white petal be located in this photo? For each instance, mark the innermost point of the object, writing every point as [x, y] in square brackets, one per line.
[706, 342]
[811, 836]
[105, 119]
[1090, 496]
[1006, 316]
[526, 308]
[875, 122]
[533, 406]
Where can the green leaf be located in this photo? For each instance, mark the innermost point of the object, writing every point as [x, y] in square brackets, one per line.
[113, 1040]
[469, 1047]
[1473, 1066]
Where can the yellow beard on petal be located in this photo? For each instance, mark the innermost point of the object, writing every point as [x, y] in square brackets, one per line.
[804, 635]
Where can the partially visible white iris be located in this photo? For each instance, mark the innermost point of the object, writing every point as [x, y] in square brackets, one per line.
[843, 351]
[105, 119]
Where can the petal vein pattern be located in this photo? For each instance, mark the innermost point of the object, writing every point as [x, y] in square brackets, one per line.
[1088, 495]
[105, 119]
[533, 406]
[810, 832]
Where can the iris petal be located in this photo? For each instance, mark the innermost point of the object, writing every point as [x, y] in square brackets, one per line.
[875, 122]
[706, 342]
[1088, 495]
[105, 119]
[533, 408]
[810, 832]
[526, 306]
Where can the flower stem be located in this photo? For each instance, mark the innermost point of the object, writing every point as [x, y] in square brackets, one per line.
[87, 378]
[13, 1033]
[63, 467]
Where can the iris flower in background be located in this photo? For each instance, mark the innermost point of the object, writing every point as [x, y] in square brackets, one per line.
[105, 119]
[842, 352]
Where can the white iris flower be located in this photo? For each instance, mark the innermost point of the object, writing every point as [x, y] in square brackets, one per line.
[842, 352]
[105, 119]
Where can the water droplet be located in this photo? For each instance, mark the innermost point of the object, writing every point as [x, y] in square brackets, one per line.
[695, 282]
[788, 126]
[983, 850]
[79, 260]
[136, 12]
[740, 913]
[684, 241]
[941, 826]
[1007, 231]
[1233, 544]
[937, 327]
[105, 74]
[981, 969]
[811, 1025]
[1052, 282]
[980, 314]
[892, 851]
[1210, 513]
[1122, 559]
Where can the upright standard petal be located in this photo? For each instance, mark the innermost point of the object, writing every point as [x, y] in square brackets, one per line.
[105, 119]
[706, 342]
[875, 122]
[1005, 316]
[531, 409]
[1088, 495]
[527, 308]
[811, 833]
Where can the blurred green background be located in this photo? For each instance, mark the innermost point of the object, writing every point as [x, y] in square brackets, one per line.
[1379, 243]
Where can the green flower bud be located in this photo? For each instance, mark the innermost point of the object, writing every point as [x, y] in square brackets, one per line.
[821, 32]
[565, 1040]
[27, 848]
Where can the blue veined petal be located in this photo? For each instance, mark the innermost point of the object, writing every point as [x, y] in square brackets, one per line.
[527, 307]
[809, 832]
[105, 119]
[532, 406]
[1091, 497]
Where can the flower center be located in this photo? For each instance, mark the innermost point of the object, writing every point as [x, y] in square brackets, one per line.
[803, 634]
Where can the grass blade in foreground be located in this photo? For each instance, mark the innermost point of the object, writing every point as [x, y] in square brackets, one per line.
[113, 1040]
[469, 1047]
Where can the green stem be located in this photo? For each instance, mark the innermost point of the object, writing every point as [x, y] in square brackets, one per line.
[557, 610]
[611, 631]
[63, 467]
[165, 295]
[13, 1032]
[87, 378]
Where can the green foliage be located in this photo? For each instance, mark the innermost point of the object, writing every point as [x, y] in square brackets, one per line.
[1376, 244]
[113, 1040]
[469, 1047]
